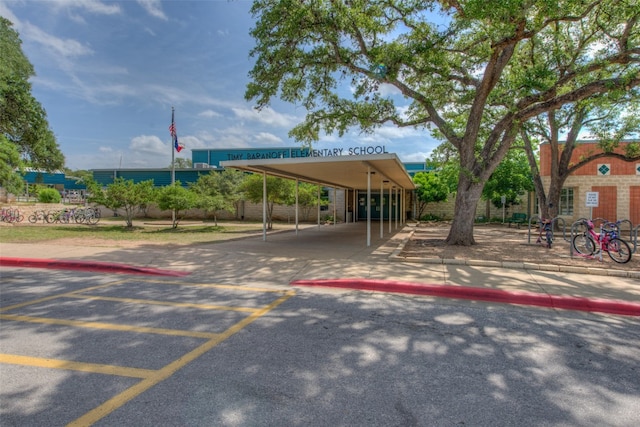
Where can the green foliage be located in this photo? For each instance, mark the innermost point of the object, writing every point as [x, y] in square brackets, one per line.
[430, 188]
[308, 199]
[473, 76]
[182, 163]
[430, 217]
[219, 191]
[177, 199]
[10, 166]
[279, 192]
[511, 179]
[123, 194]
[49, 195]
[23, 121]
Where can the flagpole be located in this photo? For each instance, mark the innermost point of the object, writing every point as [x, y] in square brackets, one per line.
[173, 164]
[173, 154]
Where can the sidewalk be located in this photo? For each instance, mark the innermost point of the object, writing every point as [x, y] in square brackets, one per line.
[340, 252]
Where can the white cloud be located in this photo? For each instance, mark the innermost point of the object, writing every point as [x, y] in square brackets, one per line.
[153, 8]
[6, 13]
[209, 114]
[414, 157]
[67, 48]
[148, 144]
[266, 116]
[394, 132]
[268, 138]
[91, 6]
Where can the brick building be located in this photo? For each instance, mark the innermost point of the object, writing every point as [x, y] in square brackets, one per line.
[616, 182]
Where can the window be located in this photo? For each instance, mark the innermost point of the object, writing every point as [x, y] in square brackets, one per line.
[566, 202]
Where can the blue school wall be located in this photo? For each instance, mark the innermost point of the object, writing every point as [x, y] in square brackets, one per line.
[53, 179]
[160, 177]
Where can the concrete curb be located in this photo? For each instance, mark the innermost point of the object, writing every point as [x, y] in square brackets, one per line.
[95, 266]
[481, 294]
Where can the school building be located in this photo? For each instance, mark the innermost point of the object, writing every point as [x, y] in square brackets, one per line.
[607, 188]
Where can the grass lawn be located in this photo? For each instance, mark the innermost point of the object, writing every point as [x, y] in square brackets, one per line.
[114, 230]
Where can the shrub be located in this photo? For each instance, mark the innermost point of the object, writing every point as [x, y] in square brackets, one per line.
[431, 217]
[49, 195]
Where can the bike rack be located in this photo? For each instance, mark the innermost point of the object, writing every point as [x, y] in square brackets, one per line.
[633, 237]
[574, 228]
[554, 223]
[633, 232]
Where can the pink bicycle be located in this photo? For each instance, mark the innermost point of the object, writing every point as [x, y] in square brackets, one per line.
[590, 244]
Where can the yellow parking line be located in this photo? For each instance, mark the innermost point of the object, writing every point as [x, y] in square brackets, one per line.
[69, 365]
[49, 298]
[168, 303]
[109, 326]
[160, 375]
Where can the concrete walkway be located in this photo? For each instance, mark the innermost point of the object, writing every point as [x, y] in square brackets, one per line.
[339, 252]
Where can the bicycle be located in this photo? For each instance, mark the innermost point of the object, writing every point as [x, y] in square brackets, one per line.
[590, 244]
[39, 215]
[547, 238]
[11, 215]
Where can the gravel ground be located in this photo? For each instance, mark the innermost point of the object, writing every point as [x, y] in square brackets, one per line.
[502, 243]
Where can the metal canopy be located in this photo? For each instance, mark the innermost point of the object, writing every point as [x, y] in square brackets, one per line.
[348, 172]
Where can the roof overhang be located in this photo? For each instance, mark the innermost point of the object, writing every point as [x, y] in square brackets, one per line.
[348, 172]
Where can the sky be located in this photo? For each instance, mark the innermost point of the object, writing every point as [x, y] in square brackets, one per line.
[108, 74]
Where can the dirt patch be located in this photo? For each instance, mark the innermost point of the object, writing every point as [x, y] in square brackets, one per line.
[501, 243]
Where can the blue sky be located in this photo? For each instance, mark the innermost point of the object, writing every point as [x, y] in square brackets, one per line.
[109, 72]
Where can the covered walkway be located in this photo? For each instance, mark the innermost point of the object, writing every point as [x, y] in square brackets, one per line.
[375, 172]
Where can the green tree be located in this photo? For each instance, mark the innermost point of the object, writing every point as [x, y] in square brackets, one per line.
[209, 195]
[473, 76]
[308, 199]
[123, 194]
[430, 188]
[230, 186]
[23, 121]
[510, 180]
[279, 192]
[177, 199]
[182, 163]
[10, 166]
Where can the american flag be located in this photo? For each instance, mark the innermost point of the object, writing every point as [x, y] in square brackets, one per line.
[172, 130]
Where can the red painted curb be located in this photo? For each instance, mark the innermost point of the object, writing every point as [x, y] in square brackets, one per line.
[481, 294]
[96, 266]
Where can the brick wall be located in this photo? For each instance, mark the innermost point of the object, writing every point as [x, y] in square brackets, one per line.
[618, 197]
[618, 194]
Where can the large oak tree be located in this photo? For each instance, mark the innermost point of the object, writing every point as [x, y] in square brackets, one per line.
[24, 128]
[469, 71]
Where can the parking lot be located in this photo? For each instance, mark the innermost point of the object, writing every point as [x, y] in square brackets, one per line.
[231, 344]
[81, 348]
[77, 355]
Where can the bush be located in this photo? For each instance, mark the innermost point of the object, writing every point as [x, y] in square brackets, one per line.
[431, 217]
[49, 195]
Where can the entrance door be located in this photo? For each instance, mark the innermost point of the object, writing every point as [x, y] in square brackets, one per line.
[607, 203]
[376, 206]
[634, 206]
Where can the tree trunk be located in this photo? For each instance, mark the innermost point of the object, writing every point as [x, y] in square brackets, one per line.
[461, 232]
